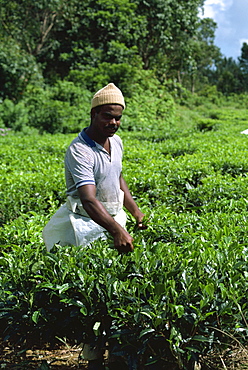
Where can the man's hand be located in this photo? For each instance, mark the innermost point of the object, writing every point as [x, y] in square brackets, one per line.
[123, 242]
[139, 221]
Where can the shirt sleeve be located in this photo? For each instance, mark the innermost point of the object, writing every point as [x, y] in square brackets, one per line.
[80, 163]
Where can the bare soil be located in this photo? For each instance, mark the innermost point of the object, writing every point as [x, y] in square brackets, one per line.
[62, 358]
[233, 358]
[68, 358]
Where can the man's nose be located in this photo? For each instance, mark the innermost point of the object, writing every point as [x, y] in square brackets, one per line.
[113, 120]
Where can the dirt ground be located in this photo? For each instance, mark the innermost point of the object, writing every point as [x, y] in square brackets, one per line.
[62, 358]
[68, 358]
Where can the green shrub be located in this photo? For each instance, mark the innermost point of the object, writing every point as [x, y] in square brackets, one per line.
[17, 70]
[206, 124]
[181, 293]
[14, 115]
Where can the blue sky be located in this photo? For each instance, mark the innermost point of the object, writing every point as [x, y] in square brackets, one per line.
[231, 17]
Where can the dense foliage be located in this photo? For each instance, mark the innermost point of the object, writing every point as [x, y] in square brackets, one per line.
[182, 294]
[91, 43]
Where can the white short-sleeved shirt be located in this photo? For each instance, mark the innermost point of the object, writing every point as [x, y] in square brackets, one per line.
[87, 162]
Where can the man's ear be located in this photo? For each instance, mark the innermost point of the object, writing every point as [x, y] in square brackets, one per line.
[93, 113]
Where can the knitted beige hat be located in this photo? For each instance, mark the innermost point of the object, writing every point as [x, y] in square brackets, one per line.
[109, 94]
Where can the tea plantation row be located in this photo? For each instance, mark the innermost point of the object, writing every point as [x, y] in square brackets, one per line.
[182, 294]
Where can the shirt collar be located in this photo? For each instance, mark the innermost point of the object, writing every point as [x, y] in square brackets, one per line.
[86, 138]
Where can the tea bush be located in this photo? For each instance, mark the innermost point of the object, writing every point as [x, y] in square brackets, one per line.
[182, 293]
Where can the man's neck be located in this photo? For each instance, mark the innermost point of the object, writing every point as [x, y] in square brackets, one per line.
[104, 142]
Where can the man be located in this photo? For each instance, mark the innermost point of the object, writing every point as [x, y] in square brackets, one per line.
[96, 190]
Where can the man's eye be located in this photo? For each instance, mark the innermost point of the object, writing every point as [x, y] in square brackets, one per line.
[110, 117]
[107, 116]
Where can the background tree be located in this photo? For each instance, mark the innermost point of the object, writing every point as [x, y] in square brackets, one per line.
[168, 26]
[243, 60]
[17, 69]
[204, 56]
[31, 23]
[91, 42]
[229, 77]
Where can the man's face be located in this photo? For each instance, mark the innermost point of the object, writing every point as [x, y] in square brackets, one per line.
[107, 121]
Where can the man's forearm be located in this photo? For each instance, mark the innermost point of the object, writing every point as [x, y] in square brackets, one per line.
[129, 202]
[98, 213]
[123, 242]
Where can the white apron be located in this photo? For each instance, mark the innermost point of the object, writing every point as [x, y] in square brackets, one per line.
[71, 225]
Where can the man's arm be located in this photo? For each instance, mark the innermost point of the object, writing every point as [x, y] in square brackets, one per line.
[123, 242]
[130, 204]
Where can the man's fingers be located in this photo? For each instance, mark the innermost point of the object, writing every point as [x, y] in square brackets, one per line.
[141, 226]
[125, 248]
